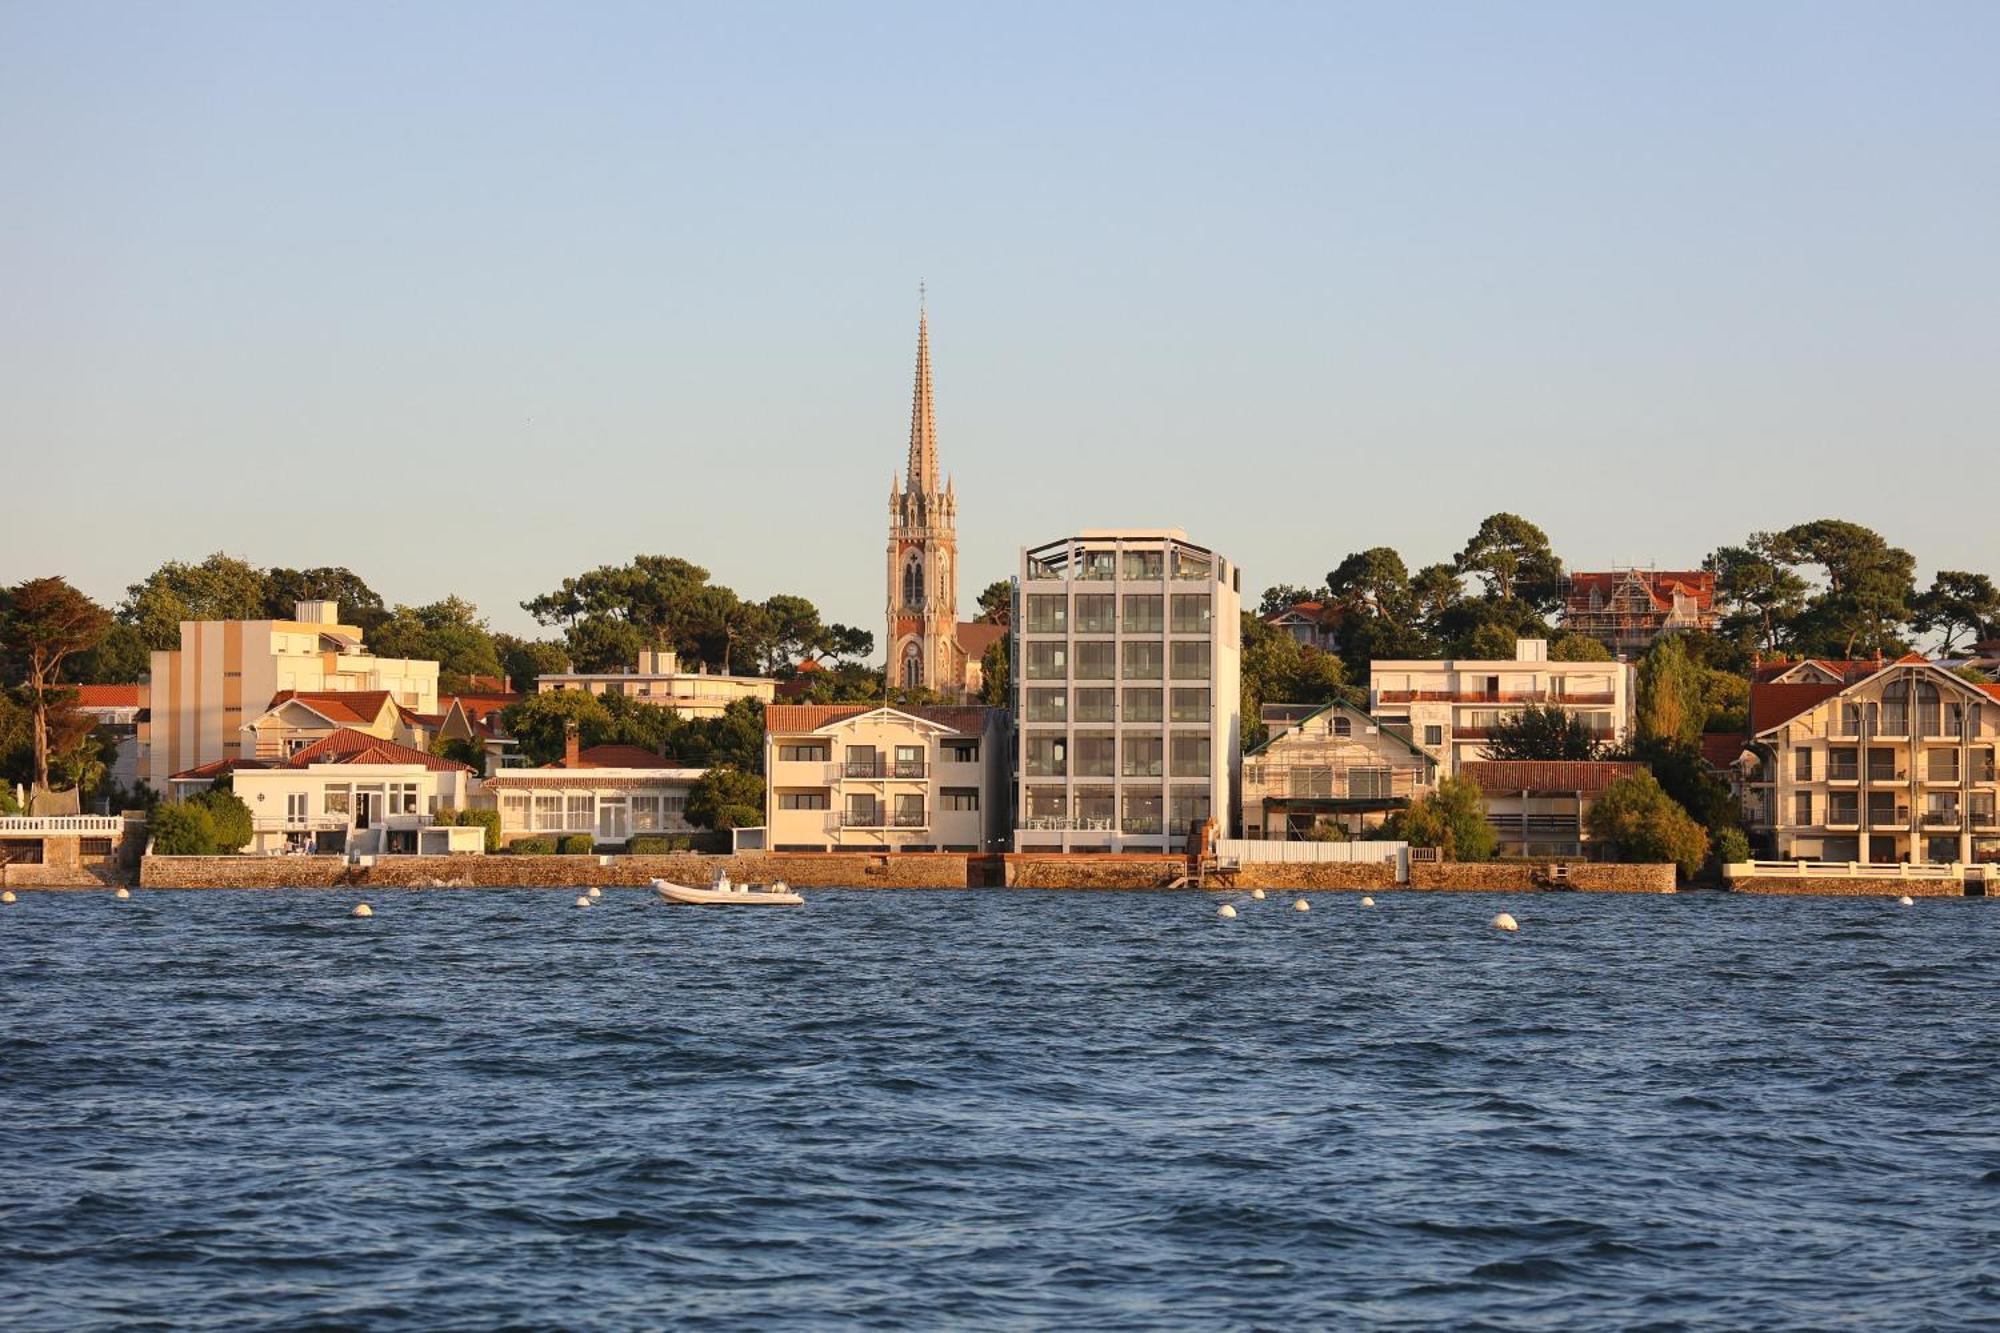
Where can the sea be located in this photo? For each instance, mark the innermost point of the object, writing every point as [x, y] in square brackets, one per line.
[998, 1109]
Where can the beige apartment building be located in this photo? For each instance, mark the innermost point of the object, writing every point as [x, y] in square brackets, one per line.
[1449, 707]
[856, 777]
[199, 697]
[1875, 763]
[658, 679]
[1335, 765]
[1127, 660]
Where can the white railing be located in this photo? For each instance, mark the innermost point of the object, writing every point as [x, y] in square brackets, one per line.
[1900, 870]
[1262, 851]
[30, 825]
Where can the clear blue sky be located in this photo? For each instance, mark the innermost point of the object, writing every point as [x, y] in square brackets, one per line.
[471, 297]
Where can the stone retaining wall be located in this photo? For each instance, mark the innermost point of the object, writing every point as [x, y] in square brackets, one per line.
[1851, 888]
[1373, 875]
[1092, 872]
[1527, 876]
[551, 872]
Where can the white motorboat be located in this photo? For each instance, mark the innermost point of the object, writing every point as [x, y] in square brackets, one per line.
[722, 893]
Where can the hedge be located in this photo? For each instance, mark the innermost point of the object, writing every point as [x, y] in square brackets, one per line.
[577, 844]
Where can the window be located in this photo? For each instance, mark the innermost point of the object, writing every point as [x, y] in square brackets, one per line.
[336, 800]
[1802, 764]
[1843, 807]
[1096, 613]
[1191, 565]
[1097, 565]
[1046, 756]
[1190, 703]
[1046, 803]
[1142, 705]
[1094, 808]
[1142, 756]
[1144, 566]
[961, 752]
[1944, 765]
[1343, 725]
[1048, 613]
[1191, 660]
[1190, 755]
[295, 807]
[1142, 614]
[514, 811]
[1843, 763]
[959, 799]
[1047, 661]
[863, 811]
[802, 800]
[909, 761]
[1143, 660]
[861, 762]
[673, 805]
[1095, 705]
[1370, 783]
[1191, 613]
[548, 811]
[805, 752]
[1881, 765]
[1142, 811]
[913, 580]
[1095, 754]
[1094, 661]
[910, 811]
[1189, 806]
[582, 810]
[1433, 735]
[1802, 807]
[1046, 705]
[645, 813]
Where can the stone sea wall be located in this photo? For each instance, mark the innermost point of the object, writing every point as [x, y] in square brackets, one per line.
[1317, 875]
[1850, 888]
[1526, 876]
[1028, 871]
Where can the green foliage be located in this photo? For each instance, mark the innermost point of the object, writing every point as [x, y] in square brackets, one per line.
[43, 624]
[1972, 674]
[1637, 816]
[658, 844]
[845, 683]
[449, 633]
[1285, 596]
[996, 602]
[229, 818]
[1670, 703]
[181, 830]
[996, 679]
[527, 660]
[484, 819]
[120, 658]
[600, 643]
[1513, 559]
[1957, 602]
[1279, 669]
[1685, 776]
[221, 587]
[537, 722]
[8, 805]
[726, 797]
[1542, 732]
[1327, 830]
[1451, 818]
[1732, 845]
[360, 605]
[1760, 593]
[536, 846]
[576, 844]
[1866, 589]
[1578, 648]
[460, 750]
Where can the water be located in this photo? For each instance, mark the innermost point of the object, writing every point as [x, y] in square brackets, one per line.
[998, 1109]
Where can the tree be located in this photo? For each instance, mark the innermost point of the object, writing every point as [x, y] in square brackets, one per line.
[360, 605]
[229, 819]
[120, 658]
[449, 632]
[847, 644]
[1284, 596]
[1279, 669]
[1644, 823]
[45, 623]
[1578, 648]
[996, 673]
[221, 587]
[1452, 818]
[460, 750]
[1759, 592]
[1669, 688]
[794, 632]
[1957, 603]
[726, 798]
[1686, 777]
[996, 602]
[1867, 587]
[604, 643]
[1513, 558]
[526, 661]
[538, 722]
[1542, 732]
[181, 830]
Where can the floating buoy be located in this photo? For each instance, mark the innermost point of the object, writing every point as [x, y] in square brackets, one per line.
[362, 909]
[583, 901]
[1505, 922]
[1224, 910]
[1302, 906]
[1258, 894]
[1906, 901]
[1367, 902]
[595, 892]
[7, 897]
[123, 892]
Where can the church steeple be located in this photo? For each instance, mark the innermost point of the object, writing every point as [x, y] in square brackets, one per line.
[923, 477]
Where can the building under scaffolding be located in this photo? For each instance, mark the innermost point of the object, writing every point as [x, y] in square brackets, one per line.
[1626, 610]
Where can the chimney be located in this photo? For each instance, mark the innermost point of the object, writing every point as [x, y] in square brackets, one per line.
[571, 751]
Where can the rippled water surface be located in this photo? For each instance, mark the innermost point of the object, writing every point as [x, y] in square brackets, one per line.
[998, 1108]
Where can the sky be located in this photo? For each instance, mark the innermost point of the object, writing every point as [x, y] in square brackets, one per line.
[470, 298]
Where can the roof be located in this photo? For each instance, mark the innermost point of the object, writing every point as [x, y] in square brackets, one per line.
[1317, 612]
[216, 768]
[792, 719]
[1723, 750]
[618, 756]
[107, 696]
[1588, 776]
[1773, 703]
[479, 707]
[347, 746]
[1660, 585]
[976, 636]
[1277, 729]
[336, 705]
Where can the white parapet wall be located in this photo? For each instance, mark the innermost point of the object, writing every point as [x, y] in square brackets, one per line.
[1896, 870]
[1261, 851]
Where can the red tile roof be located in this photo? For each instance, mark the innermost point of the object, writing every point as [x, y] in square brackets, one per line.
[1771, 704]
[1660, 586]
[338, 705]
[619, 756]
[797, 719]
[1498, 777]
[976, 636]
[478, 707]
[1318, 612]
[1991, 689]
[215, 768]
[1722, 751]
[107, 696]
[347, 746]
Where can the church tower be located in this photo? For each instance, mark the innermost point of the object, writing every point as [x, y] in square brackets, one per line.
[923, 555]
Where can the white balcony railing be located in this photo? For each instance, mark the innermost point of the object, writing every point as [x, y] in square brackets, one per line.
[31, 825]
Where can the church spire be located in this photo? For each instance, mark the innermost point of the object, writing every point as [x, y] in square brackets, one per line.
[923, 420]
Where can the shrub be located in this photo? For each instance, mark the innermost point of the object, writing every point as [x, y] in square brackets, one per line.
[1646, 824]
[655, 844]
[228, 816]
[726, 798]
[1452, 819]
[577, 844]
[486, 819]
[532, 846]
[1732, 844]
[182, 830]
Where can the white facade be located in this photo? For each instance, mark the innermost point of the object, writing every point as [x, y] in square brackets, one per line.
[612, 805]
[364, 809]
[855, 778]
[1450, 706]
[660, 681]
[1127, 661]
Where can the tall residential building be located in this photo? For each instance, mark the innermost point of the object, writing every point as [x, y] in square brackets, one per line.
[227, 673]
[1449, 707]
[1127, 658]
[1874, 762]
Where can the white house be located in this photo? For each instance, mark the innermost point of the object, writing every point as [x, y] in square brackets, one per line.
[356, 793]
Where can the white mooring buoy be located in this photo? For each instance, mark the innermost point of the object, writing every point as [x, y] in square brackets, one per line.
[1906, 901]
[7, 896]
[362, 909]
[583, 900]
[122, 892]
[1367, 902]
[1505, 922]
[1225, 910]
[1302, 906]
[595, 892]
[1258, 894]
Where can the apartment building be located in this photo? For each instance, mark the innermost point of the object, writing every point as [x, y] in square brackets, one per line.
[658, 679]
[859, 777]
[1450, 707]
[226, 673]
[1333, 765]
[1542, 807]
[1874, 762]
[1127, 647]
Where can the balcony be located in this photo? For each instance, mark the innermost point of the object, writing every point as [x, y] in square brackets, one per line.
[35, 825]
[912, 819]
[1941, 819]
[1491, 697]
[863, 819]
[1843, 772]
[862, 768]
[1895, 820]
[1843, 819]
[303, 824]
[1983, 819]
[909, 768]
